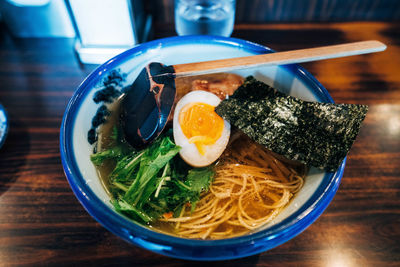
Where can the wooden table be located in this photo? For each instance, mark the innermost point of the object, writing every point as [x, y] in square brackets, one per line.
[42, 223]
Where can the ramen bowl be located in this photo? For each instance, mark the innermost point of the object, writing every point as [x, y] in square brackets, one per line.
[304, 208]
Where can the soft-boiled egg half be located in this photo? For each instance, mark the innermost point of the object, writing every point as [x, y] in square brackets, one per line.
[199, 130]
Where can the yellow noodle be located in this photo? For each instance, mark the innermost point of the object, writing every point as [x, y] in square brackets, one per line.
[204, 236]
[222, 234]
[199, 226]
[194, 216]
[180, 215]
[250, 188]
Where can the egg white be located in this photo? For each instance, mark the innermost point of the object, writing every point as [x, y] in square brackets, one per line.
[189, 152]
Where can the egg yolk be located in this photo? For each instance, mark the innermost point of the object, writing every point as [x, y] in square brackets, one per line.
[200, 124]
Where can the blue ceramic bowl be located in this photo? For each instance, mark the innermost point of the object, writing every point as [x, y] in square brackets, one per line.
[307, 205]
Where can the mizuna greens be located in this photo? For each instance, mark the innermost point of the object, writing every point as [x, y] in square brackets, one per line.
[153, 182]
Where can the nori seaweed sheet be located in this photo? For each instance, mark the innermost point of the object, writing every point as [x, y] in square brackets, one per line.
[317, 134]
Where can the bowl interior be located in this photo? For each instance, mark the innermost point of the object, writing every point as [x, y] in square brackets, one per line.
[82, 108]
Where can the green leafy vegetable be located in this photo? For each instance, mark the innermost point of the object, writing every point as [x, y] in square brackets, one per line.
[115, 135]
[199, 179]
[154, 181]
[125, 167]
[111, 153]
[154, 158]
[123, 207]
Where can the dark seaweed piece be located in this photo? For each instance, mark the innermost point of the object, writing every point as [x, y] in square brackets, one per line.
[100, 117]
[110, 85]
[109, 90]
[115, 78]
[107, 94]
[318, 134]
[92, 136]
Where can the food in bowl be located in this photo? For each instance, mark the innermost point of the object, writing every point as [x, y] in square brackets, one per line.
[304, 208]
[199, 180]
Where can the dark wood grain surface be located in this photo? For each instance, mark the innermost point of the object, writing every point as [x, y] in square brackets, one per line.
[42, 223]
[278, 11]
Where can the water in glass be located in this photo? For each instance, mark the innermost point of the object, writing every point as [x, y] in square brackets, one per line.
[212, 17]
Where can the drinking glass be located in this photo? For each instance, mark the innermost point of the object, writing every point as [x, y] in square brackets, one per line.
[210, 17]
